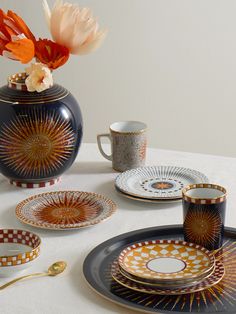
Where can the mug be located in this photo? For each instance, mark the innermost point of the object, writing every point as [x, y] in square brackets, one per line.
[128, 145]
[204, 207]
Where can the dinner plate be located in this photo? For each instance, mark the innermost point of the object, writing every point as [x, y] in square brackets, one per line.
[65, 210]
[158, 182]
[212, 280]
[219, 299]
[148, 200]
[166, 260]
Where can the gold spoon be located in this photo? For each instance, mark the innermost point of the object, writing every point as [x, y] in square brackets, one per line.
[55, 269]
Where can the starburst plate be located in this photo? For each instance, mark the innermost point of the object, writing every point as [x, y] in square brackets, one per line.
[158, 182]
[220, 298]
[65, 210]
[210, 281]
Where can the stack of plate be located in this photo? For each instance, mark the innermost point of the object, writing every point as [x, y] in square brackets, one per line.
[157, 183]
[166, 267]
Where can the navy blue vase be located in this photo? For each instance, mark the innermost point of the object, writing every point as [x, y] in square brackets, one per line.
[40, 133]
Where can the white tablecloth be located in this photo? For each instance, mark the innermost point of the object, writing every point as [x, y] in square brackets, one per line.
[69, 293]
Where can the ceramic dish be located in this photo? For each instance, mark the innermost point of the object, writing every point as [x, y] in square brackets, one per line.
[148, 200]
[212, 280]
[219, 299]
[166, 260]
[65, 210]
[170, 284]
[17, 249]
[158, 182]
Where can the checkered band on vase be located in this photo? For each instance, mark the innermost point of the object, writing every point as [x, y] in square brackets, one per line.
[206, 283]
[21, 237]
[206, 201]
[30, 185]
[135, 258]
[17, 81]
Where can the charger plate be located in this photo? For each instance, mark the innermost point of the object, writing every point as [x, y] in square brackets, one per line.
[210, 281]
[65, 210]
[220, 298]
[158, 182]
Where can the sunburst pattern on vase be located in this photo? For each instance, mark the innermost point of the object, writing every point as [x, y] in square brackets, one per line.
[65, 209]
[202, 226]
[221, 298]
[36, 143]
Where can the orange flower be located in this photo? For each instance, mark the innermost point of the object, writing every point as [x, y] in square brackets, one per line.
[22, 50]
[16, 39]
[19, 25]
[51, 53]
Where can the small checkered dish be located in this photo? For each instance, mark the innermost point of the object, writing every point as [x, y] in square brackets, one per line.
[18, 248]
[166, 260]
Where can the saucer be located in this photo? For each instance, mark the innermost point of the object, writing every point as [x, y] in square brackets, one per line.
[148, 200]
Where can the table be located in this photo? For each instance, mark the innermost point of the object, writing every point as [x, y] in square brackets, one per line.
[69, 293]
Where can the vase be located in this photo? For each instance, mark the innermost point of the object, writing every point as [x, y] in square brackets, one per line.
[40, 133]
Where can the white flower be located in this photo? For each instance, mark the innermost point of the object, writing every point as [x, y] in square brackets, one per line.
[39, 77]
[73, 27]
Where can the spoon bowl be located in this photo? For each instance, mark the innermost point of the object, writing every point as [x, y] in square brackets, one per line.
[57, 268]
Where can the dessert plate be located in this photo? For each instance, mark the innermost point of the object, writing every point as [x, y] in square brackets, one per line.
[158, 182]
[219, 299]
[212, 280]
[65, 210]
[166, 260]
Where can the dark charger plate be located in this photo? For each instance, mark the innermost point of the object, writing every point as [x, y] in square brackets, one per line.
[219, 299]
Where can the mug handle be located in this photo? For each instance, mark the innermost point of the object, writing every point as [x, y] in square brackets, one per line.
[99, 136]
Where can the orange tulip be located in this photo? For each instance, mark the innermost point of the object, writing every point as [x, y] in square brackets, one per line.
[51, 53]
[16, 39]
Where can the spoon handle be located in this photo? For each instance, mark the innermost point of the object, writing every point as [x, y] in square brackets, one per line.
[21, 278]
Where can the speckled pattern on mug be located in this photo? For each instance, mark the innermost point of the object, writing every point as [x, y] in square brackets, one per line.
[128, 150]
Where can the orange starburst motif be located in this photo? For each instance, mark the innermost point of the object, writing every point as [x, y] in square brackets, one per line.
[162, 185]
[36, 144]
[202, 226]
[67, 209]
